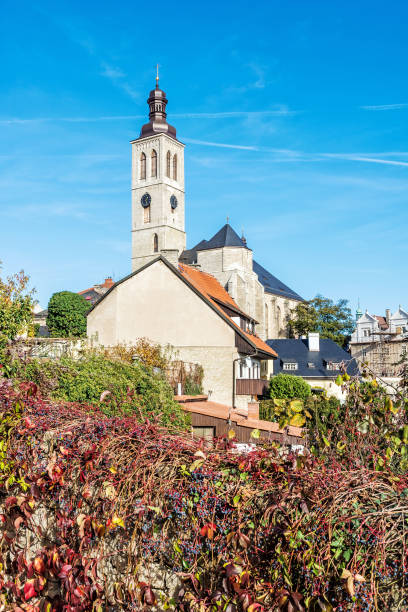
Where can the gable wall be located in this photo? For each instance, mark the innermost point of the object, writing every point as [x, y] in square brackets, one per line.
[157, 305]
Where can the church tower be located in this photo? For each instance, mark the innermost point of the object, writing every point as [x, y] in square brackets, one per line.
[157, 187]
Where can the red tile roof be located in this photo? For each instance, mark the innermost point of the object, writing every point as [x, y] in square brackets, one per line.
[210, 288]
[221, 411]
[382, 322]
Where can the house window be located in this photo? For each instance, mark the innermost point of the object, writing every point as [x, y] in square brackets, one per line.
[290, 365]
[332, 365]
[310, 364]
[175, 167]
[366, 333]
[154, 164]
[146, 214]
[364, 353]
[143, 166]
[155, 243]
[168, 162]
[241, 369]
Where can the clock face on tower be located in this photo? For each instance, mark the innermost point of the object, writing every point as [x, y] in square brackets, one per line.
[173, 202]
[145, 200]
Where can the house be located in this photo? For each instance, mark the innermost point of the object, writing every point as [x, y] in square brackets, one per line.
[319, 361]
[381, 343]
[92, 295]
[158, 227]
[188, 309]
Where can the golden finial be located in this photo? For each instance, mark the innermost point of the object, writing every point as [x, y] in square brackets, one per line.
[157, 75]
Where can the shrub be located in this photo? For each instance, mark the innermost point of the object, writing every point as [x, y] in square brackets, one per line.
[16, 303]
[67, 315]
[288, 386]
[105, 513]
[116, 386]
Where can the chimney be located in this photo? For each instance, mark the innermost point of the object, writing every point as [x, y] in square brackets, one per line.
[108, 282]
[313, 341]
[388, 316]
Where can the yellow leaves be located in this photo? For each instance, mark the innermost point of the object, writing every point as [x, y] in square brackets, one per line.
[113, 470]
[200, 454]
[255, 433]
[196, 464]
[389, 405]
[231, 434]
[117, 521]
[298, 420]
[339, 381]
[296, 405]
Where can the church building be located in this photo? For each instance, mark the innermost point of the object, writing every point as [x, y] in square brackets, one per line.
[158, 227]
[213, 303]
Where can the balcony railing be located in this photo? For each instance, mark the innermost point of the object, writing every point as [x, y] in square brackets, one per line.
[251, 386]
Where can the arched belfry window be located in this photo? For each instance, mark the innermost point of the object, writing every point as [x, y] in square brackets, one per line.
[155, 243]
[175, 167]
[154, 164]
[168, 163]
[142, 166]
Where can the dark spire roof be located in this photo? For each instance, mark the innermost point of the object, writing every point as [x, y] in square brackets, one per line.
[225, 237]
[157, 102]
[273, 284]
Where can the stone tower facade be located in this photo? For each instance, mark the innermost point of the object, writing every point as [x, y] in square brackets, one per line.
[157, 188]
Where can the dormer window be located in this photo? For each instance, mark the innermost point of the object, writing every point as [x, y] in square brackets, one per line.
[290, 365]
[333, 365]
[311, 365]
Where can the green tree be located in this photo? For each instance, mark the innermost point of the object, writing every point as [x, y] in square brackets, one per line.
[288, 386]
[332, 320]
[16, 303]
[67, 315]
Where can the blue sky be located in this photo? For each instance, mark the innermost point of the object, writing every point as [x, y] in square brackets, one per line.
[294, 114]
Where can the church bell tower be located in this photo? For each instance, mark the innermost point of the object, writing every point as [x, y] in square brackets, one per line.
[157, 187]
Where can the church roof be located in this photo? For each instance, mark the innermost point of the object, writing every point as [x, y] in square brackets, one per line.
[274, 285]
[225, 237]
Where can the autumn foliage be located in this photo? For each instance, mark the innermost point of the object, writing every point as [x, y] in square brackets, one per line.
[95, 513]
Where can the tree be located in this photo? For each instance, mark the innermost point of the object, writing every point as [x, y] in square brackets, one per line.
[288, 386]
[67, 315]
[332, 320]
[16, 303]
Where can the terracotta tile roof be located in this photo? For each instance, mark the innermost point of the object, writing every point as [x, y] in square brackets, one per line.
[221, 411]
[382, 322]
[208, 286]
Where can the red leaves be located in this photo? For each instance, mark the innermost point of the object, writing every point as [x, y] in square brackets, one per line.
[147, 595]
[64, 571]
[29, 590]
[208, 530]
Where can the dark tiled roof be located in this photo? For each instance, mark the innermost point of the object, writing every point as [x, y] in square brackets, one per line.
[273, 284]
[298, 351]
[225, 237]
